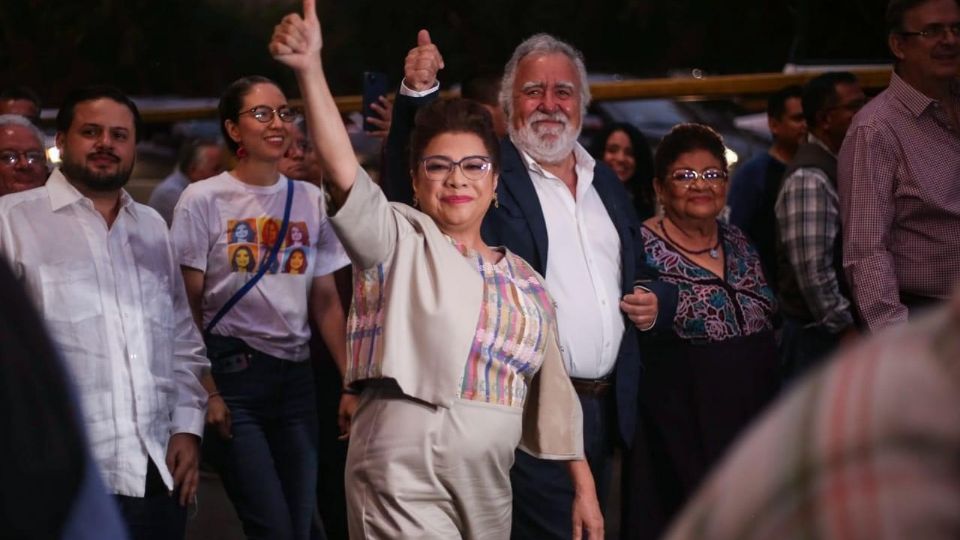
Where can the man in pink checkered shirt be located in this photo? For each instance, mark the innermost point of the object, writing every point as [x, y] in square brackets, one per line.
[899, 171]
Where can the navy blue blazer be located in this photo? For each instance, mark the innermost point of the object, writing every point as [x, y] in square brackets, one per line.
[519, 225]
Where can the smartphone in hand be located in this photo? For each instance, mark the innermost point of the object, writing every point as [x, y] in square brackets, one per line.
[374, 86]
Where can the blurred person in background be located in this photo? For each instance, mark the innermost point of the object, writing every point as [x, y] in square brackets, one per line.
[624, 148]
[256, 324]
[899, 171]
[756, 183]
[716, 367]
[814, 296]
[23, 159]
[197, 159]
[21, 101]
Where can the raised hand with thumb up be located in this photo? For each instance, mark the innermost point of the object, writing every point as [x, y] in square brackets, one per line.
[422, 64]
[296, 40]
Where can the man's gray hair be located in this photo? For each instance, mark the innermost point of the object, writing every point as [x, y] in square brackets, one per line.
[17, 120]
[541, 45]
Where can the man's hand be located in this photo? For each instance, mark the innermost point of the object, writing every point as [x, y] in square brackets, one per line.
[383, 108]
[641, 306]
[218, 415]
[348, 406]
[422, 64]
[183, 460]
[296, 40]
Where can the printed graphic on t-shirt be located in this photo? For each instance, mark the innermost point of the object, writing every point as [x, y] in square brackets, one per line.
[247, 254]
[243, 257]
[242, 231]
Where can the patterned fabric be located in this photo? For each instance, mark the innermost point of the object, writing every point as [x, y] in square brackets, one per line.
[515, 324]
[899, 184]
[868, 448]
[711, 307]
[808, 216]
[516, 320]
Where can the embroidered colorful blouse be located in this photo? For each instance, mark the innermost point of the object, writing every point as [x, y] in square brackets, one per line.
[712, 307]
[516, 320]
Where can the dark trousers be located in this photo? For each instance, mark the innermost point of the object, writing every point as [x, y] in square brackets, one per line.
[156, 515]
[269, 466]
[542, 491]
[804, 347]
[331, 495]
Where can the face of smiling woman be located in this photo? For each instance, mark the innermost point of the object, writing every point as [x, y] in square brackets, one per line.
[262, 141]
[456, 203]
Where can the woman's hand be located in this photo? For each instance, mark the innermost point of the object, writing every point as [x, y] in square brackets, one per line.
[218, 416]
[348, 406]
[297, 40]
[586, 508]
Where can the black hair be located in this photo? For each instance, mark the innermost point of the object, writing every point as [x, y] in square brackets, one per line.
[640, 185]
[777, 102]
[21, 92]
[232, 100]
[820, 93]
[483, 89]
[896, 9]
[456, 115]
[90, 93]
[685, 138]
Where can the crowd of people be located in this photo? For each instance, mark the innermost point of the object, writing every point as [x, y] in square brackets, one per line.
[501, 313]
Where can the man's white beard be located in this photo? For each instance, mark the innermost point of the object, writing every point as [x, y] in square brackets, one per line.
[542, 149]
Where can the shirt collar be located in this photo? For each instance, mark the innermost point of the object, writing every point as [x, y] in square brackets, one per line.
[62, 194]
[583, 159]
[914, 100]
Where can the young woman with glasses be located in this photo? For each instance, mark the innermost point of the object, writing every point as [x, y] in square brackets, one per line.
[261, 390]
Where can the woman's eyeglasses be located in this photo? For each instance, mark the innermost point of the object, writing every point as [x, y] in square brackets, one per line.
[438, 168]
[686, 177]
[264, 114]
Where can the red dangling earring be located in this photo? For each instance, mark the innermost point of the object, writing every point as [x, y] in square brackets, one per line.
[241, 152]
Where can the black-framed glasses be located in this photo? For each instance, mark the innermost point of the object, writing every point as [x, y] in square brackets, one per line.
[935, 31]
[264, 114]
[438, 168]
[32, 157]
[686, 177]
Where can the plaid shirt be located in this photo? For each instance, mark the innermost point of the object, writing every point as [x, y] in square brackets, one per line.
[808, 216]
[899, 184]
[867, 448]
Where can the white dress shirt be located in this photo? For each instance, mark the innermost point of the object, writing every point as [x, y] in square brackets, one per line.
[583, 268]
[115, 305]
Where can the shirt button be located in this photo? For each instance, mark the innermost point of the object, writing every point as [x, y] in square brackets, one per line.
[562, 349]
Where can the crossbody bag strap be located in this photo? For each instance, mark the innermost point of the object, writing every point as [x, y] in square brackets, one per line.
[263, 267]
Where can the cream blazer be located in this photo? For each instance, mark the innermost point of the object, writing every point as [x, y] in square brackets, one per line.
[431, 301]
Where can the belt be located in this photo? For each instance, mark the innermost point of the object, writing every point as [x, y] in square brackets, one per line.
[592, 387]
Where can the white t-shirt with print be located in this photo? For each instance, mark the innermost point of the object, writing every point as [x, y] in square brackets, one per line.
[226, 229]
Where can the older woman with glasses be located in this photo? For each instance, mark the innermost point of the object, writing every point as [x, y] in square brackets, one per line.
[452, 342]
[707, 377]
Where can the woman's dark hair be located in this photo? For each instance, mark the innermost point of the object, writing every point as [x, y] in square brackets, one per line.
[232, 100]
[640, 185]
[685, 138]
[43, 448]
[251, 265]
[453, 116]
[303, 254]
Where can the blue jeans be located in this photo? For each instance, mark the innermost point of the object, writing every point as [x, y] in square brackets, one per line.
[269, 466]
[156, 515]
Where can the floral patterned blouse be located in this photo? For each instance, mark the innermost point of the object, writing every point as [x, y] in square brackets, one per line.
[711, 307]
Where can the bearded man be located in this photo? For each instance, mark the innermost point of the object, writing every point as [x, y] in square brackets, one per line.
[100, 269]
[552, 193]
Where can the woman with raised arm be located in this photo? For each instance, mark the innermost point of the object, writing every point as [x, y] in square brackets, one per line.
[452, 342]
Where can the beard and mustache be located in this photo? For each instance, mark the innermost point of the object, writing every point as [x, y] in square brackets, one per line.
[548, 145]
[79, 172]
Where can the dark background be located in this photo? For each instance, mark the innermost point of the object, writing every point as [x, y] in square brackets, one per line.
[194, 48]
